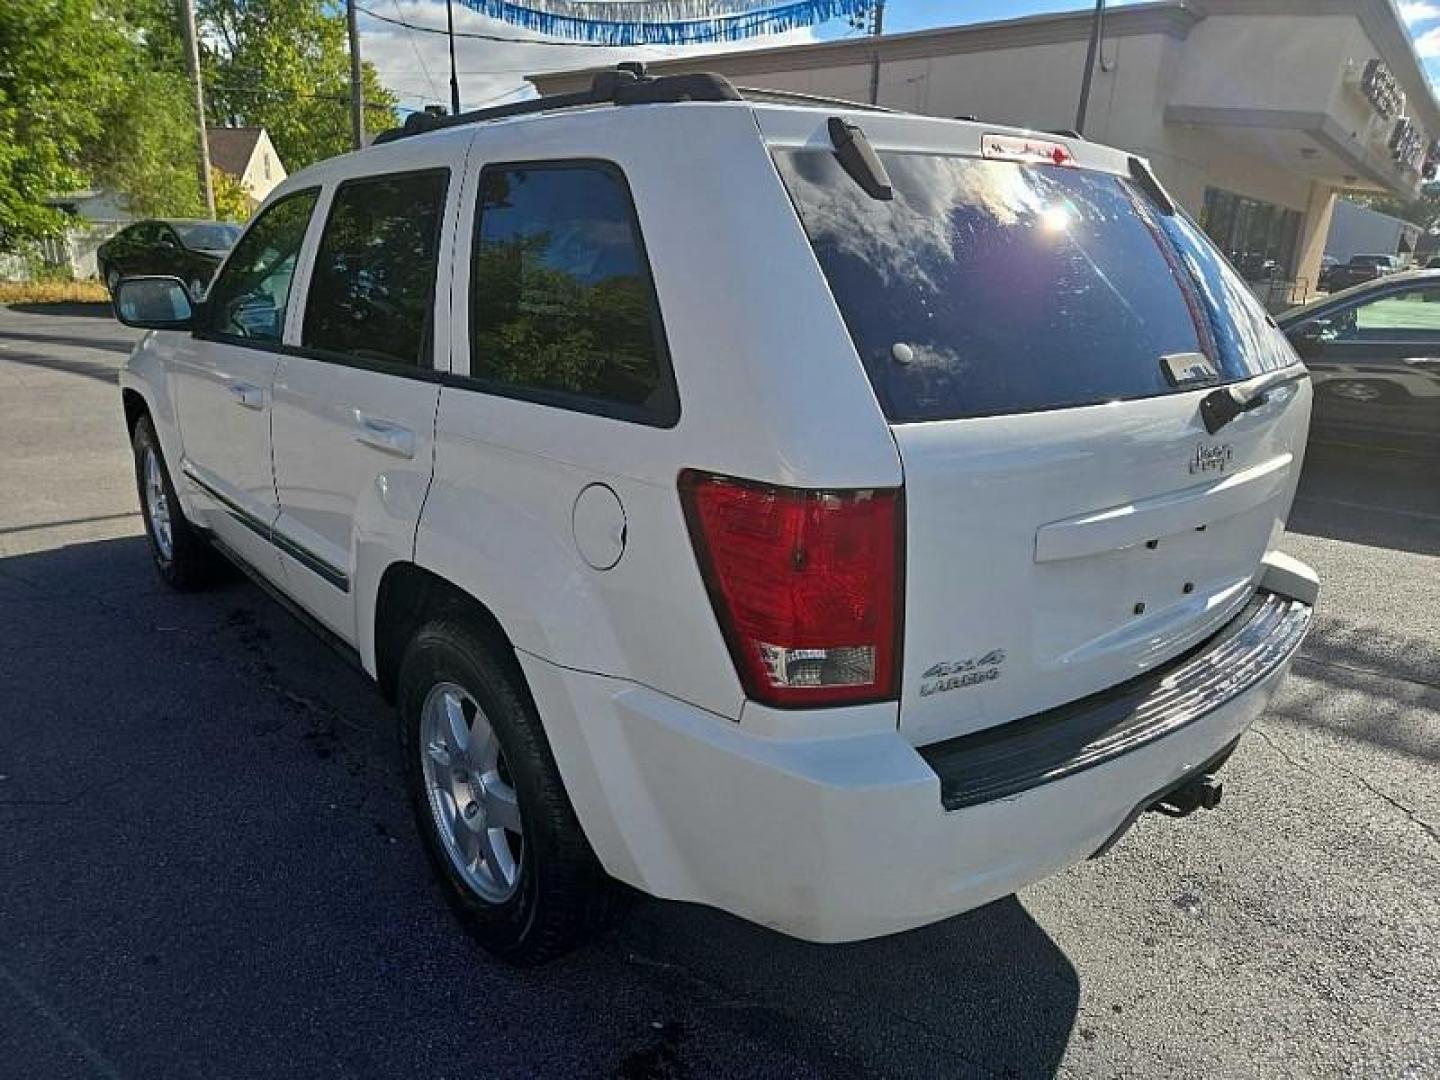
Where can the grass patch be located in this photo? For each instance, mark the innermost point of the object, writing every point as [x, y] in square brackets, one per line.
[53, 292]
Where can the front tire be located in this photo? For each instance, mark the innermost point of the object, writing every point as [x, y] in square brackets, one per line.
[182, 558]
[489, 803]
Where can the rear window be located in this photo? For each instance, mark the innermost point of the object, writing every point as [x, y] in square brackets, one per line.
[989, 287]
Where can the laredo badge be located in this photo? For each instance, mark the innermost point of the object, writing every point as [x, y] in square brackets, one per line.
[956, 674]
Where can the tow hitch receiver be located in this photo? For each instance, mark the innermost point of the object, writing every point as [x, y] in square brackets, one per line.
[1198, 791]
[1201, 793]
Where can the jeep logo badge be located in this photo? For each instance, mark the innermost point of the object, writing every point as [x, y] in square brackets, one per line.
[1211, 458]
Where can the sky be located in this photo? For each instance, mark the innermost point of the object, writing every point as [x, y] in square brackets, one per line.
[417, 67]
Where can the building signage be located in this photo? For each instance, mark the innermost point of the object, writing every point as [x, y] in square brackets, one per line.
[1407, 143]
[1380, 87]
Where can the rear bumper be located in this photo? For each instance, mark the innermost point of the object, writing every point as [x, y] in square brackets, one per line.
[1003, 761]
[848, 838]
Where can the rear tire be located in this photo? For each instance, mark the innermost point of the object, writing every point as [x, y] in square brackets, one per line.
[527, 893]
[182, 558]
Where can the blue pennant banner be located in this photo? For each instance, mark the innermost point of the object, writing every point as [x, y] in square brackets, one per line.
[663, 22]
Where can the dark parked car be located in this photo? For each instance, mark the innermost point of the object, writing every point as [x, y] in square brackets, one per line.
[1360, 269]
[189, 250]
[1374, 354]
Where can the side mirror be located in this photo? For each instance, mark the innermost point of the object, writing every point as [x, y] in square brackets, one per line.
[154, 303]
[1309, 338]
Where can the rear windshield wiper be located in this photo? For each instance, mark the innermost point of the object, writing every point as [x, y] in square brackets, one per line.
[858, 158]
[1220, 406]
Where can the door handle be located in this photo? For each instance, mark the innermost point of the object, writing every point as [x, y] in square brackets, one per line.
[384, 435]
[247, 395]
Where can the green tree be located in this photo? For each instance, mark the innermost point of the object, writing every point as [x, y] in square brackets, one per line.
[85, 101]
[284, 65]
[94, 93]
[50, 68]
[1423, 211]
[232, 201]
[148, 150]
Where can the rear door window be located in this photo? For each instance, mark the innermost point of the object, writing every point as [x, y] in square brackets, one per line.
[373, 287]
[989, 287]
[562, 305]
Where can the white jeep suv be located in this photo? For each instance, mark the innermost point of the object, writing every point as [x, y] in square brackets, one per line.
[837, 517]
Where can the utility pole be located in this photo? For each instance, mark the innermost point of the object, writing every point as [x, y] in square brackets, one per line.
[454, 82]
[877, 27]
[357, 84]
[1097, 28]
[192, 62]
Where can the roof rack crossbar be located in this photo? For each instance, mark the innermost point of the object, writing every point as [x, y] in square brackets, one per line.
[626, 85]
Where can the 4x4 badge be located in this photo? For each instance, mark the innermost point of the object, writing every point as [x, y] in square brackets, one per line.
[1212, 458]
[954, 674]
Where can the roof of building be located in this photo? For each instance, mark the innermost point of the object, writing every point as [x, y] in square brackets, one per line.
[232, 147]
[1175, 18]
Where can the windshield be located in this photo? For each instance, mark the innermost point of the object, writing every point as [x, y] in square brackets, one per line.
[989, 287]
[207, 235]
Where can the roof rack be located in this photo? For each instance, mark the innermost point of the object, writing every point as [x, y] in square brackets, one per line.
[761, 93]
[628, 84]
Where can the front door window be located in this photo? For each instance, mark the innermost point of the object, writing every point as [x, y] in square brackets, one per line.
[249, 300]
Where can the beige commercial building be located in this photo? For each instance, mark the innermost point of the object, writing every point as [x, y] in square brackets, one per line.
[1254, 113]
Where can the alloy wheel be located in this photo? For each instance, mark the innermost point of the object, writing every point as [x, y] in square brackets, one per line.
[157, 505]
[472, 798]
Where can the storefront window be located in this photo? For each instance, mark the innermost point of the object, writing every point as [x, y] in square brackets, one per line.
[1259, 237]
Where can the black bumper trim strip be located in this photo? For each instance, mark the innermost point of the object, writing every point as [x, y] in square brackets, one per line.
[1034, 750]
[306, 558]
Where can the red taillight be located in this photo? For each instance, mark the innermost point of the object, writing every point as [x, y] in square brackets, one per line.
[805, 585]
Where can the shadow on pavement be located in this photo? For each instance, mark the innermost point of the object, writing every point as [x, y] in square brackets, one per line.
[89, 369]
[985, 993]
[1365, 683]
[67, 310]
[1379, 498]
[117, 344]
[210, 867]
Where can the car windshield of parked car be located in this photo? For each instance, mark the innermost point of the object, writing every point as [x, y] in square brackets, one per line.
[1409, 315]
[989, 287]
[207, 235]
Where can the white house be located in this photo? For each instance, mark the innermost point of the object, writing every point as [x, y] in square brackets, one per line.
[247, 154]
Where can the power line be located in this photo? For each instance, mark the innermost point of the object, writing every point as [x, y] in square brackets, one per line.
[414, 47]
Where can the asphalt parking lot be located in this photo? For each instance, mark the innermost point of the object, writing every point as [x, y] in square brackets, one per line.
[207, 867]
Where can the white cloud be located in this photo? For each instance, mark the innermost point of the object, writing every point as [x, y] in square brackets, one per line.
[1428, 44]
[416, 65]
[1419, 11]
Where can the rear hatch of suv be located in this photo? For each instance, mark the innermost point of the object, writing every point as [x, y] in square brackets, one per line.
[1041, 336]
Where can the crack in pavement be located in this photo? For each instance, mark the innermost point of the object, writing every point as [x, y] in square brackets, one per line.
[89, 792]
[1410, 812]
